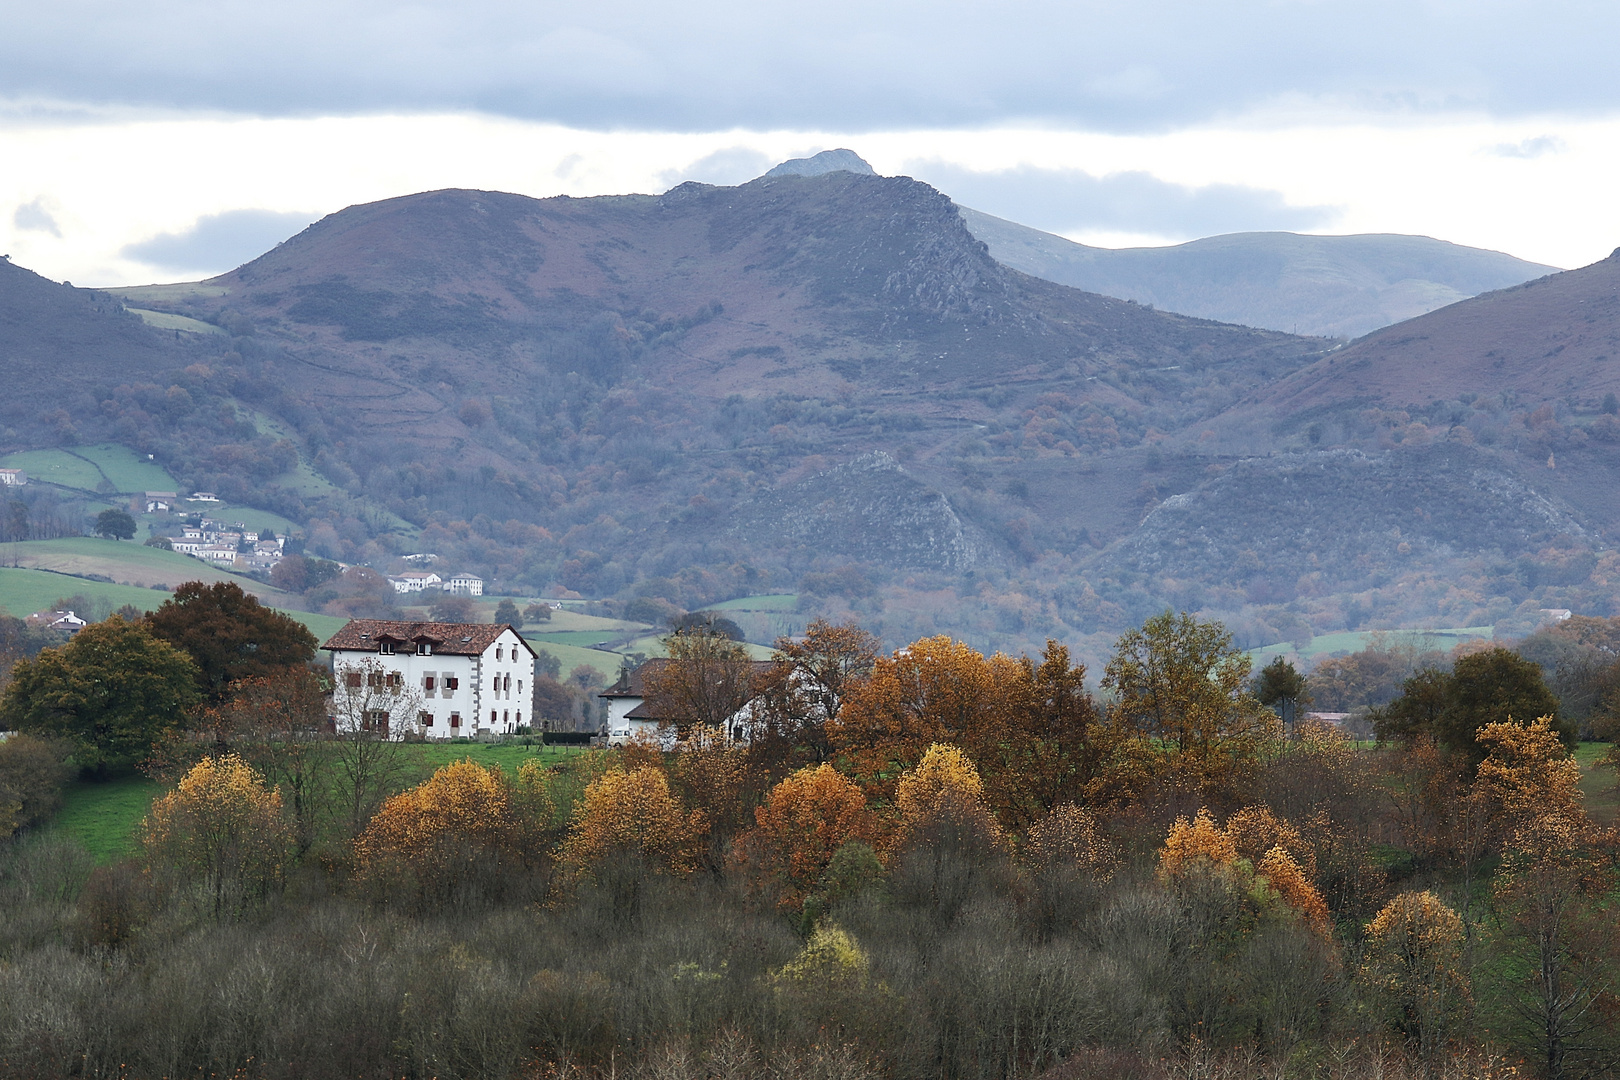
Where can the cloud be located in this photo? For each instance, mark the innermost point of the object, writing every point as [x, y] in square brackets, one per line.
[732, 165]
[1530, 148]
[840, 65]
[218, 242]
[34, 217]
[1068, 201]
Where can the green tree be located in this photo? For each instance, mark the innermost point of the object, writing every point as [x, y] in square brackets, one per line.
[115, 525]
[1493, 687]
[229, 634]
[113, 692]
[1416, 713]
[507, 612]
[537, 613]
[1184, 682]
[1280, 686]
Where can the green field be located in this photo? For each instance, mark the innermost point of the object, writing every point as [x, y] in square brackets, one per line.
[1348, 641]
[88, 468]
[572, 656]
[103, 817]
[123, 561]
[583, 638]
[162, 320]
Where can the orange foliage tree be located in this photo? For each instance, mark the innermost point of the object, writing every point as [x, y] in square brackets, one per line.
[804, 690]
[805, 820]
[1528, 772]
[633, 813]
[1069, 838]
[1201, 845]
[221, 830]
[459, 828]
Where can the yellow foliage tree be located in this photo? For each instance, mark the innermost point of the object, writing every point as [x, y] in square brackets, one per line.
[634, 813]
[1195, 841]
[223, 831]
[1528, 772]
[1289, 882]
[943, 792]
[1414, 963]
[457, 828]
[1255, 830]
[805, 820]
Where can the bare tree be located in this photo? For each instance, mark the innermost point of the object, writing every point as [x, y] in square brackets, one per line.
[373, 712]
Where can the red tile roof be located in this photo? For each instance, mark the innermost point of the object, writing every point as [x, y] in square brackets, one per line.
[450, 639]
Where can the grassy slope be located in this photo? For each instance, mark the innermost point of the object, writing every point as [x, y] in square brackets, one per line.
[23, 592]
[1347, 641]
[123, 561]
[86, 467]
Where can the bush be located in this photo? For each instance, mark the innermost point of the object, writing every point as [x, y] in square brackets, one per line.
[32, 774]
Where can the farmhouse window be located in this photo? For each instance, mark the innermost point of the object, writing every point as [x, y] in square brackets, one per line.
[352, 679]
[386, 648]
[455, 719]
[492, 718]
[375, 720]
[424, 648]
[428, 684]
[452, 683]
[426, 718]
[497, 652]
[374, 678]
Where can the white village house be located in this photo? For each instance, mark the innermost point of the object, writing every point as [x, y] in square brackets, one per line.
[437, 680]
[415, 581]
[465, 585]
[630, 715]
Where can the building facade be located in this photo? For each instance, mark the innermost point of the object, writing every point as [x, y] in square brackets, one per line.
[428, 679]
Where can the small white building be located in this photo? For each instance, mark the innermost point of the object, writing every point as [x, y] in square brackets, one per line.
[204, 496]
[13, 478]
[630, 714]
[465, 585]
[437, 680]
[415, 581]
[159, 501]
[56, 620]
[218, 554]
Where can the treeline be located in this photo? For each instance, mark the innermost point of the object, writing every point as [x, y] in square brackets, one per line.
[930, 863]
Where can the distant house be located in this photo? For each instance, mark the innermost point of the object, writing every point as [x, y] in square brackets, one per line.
[203, 496]
[436, 680]
[465, 585]
[56, 620]
[218, 554]
[160, 501]
[13, 478]
[630, 712]
[415, 581]
[1555, 614]
[186, 545]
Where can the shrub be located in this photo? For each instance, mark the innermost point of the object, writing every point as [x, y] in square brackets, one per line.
[32, 773]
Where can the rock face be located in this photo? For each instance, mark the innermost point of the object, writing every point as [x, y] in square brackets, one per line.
[869, 510]
[1333, 518]
[825, 162]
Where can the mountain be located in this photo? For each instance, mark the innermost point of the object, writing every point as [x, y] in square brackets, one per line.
[826, 384]
[1332, 286]
[825, 162]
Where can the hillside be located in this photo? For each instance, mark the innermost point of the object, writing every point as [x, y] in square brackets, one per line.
[1332, 286]
[826, 386]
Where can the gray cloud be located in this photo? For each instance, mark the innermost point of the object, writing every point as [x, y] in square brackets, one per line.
[1072, 201]
[218, 242]
[1529, 148]
[733, 165]
[33, 217]
[838, 65]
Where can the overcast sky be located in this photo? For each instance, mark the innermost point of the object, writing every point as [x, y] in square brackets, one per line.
[164, 140]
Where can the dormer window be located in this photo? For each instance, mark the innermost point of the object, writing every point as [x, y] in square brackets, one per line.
[424, 648]
[386, 648]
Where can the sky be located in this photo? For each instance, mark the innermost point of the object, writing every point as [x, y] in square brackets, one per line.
[150, 141]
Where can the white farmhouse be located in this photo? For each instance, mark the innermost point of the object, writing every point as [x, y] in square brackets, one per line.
[472, 679]
[465, 585]
[13, 477]
[631, 715]
[415, 581]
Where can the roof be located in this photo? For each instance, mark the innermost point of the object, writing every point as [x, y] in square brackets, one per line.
[449, 639]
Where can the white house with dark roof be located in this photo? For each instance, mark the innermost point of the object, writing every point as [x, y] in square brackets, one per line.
[631, 715]
[436, 680]
[465, 585]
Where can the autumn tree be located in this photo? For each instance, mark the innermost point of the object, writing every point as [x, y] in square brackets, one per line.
[1070, 838]
[458, 830]
[1551, 892]
[1413, 967]
[113, 692]
[221, 830]
[633, 814]
[804, 821]
[1183, 681]
[933, 691]
[229, 634]
[1200, 850]
[806, 687]
[1528, 772]
[507, 612]
[278, 724]
[706, 680]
